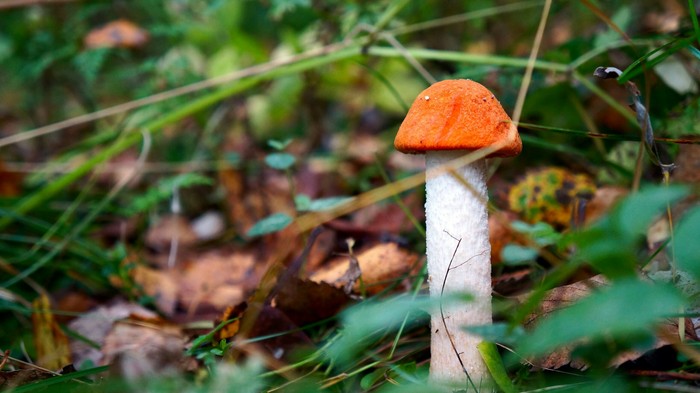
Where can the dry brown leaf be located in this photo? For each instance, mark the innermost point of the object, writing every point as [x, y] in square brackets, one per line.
[269, 321]
[565, 296]
[139, 348]
[380, 265]
[231, 329]
[687, 164]
[603, 200]
[500, 233]
[162, 286]
[10, 182]
[305, 301]
[120, 33]
[217, 280]
[161, 235]
[96, 324]
[51, 343]
[73, 303]
[320, 250]
[13, 379]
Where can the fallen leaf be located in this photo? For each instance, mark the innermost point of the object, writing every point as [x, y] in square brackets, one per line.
[500, 233]
[284, 334]
[567, 295]
[120, 33]
[161, 285]
[603, 200]
[549, 194]
[230, 313]
[687, 164]
[95, 325]
[216, 280]
[51, 343]
[138, 348]
[15, 378]
[305, 301]
[171, 228]
[381, 266]
[73, 303]
[10, 182]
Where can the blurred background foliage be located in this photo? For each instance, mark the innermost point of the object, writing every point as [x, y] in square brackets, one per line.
[317, 118]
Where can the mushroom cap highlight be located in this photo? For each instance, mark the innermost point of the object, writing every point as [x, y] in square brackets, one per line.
[457, 114]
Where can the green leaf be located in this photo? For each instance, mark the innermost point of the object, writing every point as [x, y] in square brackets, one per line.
[370, 379]
[542, 233]
[626, 308]
[279, 145]
[515, 255]
[305, 204]
[322, 204]
[622, 20]
[270, 224]
[654, 57]
[280, 161]
[498, 332]
[494, 363]
[686, 243]
[636, 213]
[302, 202]
[163, 191]
[611, 244]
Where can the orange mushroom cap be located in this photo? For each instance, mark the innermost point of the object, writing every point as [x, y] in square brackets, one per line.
[457, 114]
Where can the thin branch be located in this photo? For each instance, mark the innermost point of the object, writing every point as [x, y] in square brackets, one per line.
[442, 314]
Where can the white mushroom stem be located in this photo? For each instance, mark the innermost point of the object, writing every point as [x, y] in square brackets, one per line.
[453, 213]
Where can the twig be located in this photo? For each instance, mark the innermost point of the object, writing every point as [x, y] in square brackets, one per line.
[442, 313]
[520, 101]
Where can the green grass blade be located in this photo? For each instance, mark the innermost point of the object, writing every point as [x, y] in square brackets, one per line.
[195, 106]
[41, 385]
[694, 19]
[494, 363]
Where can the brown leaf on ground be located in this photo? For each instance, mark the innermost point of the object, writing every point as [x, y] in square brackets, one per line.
[320, 250]
[167, 229]
[550, 194]
[161, 285]
[216, 280]
[305, 301]
[554, 300]
[137, 348]
[510, 282]
[51, 343]
[565, 296]
[381, 266]
[73, 303]
[603, 200]
[687, 164]
[10, 182]
[95, 325]
[13, 379]
[230, 313]
[283, 332]
[120, 33]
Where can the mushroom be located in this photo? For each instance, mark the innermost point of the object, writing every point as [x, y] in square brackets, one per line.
[448, 120]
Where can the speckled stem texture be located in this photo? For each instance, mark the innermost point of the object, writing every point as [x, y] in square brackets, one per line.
[453, 212]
